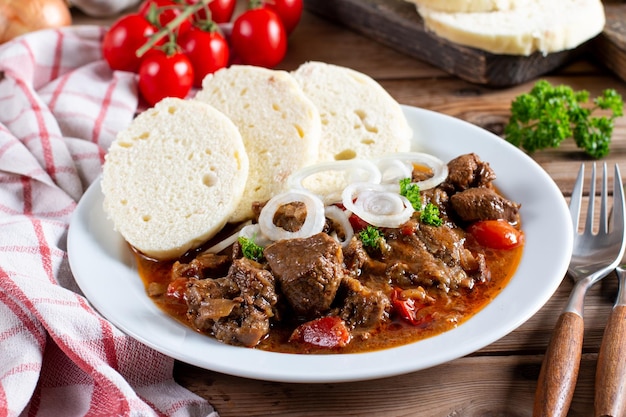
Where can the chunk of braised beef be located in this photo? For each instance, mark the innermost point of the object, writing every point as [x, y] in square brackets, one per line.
[354, 256]
[308, 271]
[476, 204]
[361, 307]
[442, 242]
[236, 309]
[421, 175]
[290, 216]
[432, 257]
[205, 265]
[467, 171]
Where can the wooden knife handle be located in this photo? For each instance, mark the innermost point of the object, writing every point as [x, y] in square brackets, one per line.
[559, 370]
[610, 388]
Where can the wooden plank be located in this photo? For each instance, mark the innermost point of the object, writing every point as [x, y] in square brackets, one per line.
[396, 23]
[469, 387]
[610, 46]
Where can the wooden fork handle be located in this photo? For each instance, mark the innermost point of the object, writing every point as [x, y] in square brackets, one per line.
[610, 387]
[559, 370]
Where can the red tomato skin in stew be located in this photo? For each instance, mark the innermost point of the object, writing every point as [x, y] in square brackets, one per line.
[325, 332]
[496, 234]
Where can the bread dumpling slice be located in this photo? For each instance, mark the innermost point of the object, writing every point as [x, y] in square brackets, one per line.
[360, 119]
[173, 177]
[279, 125]
[467, 6]
[536, 26]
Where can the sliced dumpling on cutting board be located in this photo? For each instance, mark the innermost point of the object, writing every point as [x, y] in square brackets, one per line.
[536, 25]
[466, 6]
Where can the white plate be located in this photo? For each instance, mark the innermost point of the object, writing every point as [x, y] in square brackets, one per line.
[105, 271]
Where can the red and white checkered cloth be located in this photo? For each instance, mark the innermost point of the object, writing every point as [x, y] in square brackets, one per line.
[60, 108]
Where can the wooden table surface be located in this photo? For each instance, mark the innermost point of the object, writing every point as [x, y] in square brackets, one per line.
[498, 380]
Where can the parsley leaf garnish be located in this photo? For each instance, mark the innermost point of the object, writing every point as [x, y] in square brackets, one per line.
[371, 237]
[250, 249]
[412, 192]
[430, 215]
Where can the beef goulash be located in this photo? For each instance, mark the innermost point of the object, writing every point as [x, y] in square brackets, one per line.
[283, 211]
[365, 276]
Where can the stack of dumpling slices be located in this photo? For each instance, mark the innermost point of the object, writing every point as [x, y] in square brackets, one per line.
[514, 27]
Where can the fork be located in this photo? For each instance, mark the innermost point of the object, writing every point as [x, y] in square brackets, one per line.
[610, 399]
[594, 255]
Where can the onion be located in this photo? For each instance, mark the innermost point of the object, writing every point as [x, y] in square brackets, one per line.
[18, 17]
[377, 206]
[343, 218]
[313, 224]
[228, 241]
[253, 231]
[397, 160]
[355, 170]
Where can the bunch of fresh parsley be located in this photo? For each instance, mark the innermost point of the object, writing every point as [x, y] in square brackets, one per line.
[549, 114]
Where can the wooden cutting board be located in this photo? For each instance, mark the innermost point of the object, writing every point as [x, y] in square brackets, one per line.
[610, 47]
[396, 23]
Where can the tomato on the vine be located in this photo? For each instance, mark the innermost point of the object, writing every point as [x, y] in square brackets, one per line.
[207, 50]
[289, 12]
[221, 10]
[166, 11]
[258, 38]
[164, 75]
[124, 37]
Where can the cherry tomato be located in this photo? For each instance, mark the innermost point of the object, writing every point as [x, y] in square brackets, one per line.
[122, 40]
[496, 234]
[207, 51]
[289, 12]
[167, 10]
[259, 38]
[325, 332]
[221, 10]
[162, 75]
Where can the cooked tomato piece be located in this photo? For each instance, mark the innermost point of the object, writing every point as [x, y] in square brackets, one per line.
[324, 332]
[496, 234]
[176, 289]
[408, 309]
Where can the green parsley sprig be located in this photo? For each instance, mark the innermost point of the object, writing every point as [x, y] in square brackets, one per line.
[412, 192]
[372, 238]
[250, 249]
[429, 213]
[549, 114]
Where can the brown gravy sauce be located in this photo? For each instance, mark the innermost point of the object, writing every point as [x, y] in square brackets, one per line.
[447, 312]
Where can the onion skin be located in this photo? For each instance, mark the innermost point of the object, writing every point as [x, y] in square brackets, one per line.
[18, 17]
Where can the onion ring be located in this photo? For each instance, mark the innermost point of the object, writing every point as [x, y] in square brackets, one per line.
[343, 218]
[439, 168]
[253, 231]
[354, 170]
[377, 206]
[229, 240]
[313, 224]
